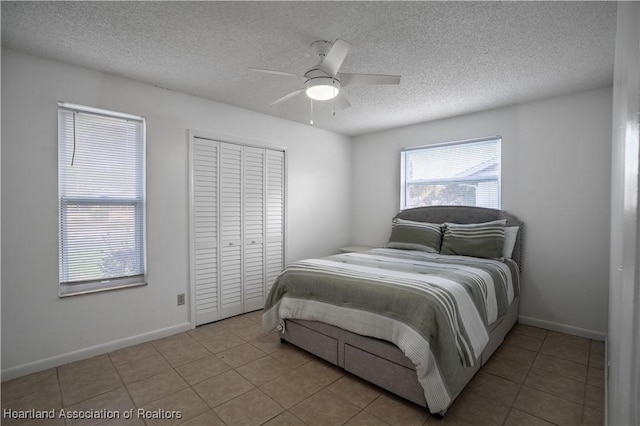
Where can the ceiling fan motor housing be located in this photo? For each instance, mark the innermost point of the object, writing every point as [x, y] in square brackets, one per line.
[320, 86]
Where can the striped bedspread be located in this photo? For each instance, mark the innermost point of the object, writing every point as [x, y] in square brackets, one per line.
[437, 309]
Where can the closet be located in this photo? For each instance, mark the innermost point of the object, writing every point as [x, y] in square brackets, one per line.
[236, 226]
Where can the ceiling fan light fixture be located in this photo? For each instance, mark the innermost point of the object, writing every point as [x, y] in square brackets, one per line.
[322, 88]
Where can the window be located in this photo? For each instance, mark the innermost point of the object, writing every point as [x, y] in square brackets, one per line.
[460, 173]
[101, 185]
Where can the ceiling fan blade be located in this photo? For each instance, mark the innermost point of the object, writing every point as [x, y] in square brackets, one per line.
[348, 79]
[341, 101]
[331, 63]
[288, 74]
[289, 96]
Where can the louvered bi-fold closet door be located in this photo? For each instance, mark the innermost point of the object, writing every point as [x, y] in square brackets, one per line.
[254, 219]
[205, 230]
[231, 273]
[237, 227]
[274, 235]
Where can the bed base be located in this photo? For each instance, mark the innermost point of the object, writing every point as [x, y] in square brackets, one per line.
[377, 361]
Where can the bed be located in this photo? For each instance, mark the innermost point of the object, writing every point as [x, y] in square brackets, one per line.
[417, 317]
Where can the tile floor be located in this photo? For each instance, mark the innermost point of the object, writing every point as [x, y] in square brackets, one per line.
[233, 373]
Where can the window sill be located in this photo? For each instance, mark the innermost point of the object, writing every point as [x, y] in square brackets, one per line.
[67, 290]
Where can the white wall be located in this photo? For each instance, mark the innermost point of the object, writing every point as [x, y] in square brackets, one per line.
[40, 330]
[623, 338]
[556, 168]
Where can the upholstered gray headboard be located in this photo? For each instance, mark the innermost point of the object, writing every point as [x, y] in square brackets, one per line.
[465, 214]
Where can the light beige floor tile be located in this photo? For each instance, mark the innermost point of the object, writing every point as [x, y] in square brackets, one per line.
[396, 411]
[475, 408]
[43, 382]
[595, 377]
[37, 401]
[365, 419]
[291, 356]
[548, 407]
[236, 322]
[557, 337]
[202, 369]
[172, 342]
[269, 343]
[528, 330]
[250, 408]
[116, 402]
[555, 384]
[206, 331]
[56, 421]
[155, 387]
[132, 353]
[519, 418]
[494, 387]
[597, 348]
[141, 369]
[448, 420]
[133, 421]
[87, 378]
[222, 388]
[355, 390]
[594, 397]
[251, 332]
[78, 389]
[524, 341]
[596, 354]
[324, 408]
[222, 342]
[593, 417]
[597, 361]
[240, 355]
[563, 367]
[208, 418]
[517, 353]
[508, 368]
[186, 353]
[174, 409]
[285, 419]
[89, 364]
[262, 370]
[290, 389]
[255, 316]
[567, 347]
[321, 372]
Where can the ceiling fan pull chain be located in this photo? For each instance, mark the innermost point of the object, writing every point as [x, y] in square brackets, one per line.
[311, 120]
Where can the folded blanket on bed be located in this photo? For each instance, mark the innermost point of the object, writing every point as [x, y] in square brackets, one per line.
[436, 309]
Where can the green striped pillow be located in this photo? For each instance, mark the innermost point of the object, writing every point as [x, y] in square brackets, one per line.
[410, 235]
[476, 239]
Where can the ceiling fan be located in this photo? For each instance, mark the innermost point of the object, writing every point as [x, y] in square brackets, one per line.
[323, 81]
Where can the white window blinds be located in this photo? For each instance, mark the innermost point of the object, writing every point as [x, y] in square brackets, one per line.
[460, 173]
[101, 190]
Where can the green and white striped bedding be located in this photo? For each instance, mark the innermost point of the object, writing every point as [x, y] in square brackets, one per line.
[437, 309]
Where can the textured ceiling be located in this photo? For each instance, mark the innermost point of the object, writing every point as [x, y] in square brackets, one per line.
[454, 57]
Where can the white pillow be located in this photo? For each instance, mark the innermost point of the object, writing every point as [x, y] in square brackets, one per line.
[510, 234]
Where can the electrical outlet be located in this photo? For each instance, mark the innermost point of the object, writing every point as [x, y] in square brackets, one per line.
[181, 299]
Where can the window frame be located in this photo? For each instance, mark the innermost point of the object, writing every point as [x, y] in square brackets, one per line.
[73, 288]
[404, 182]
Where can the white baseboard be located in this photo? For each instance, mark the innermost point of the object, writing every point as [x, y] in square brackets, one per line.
[563, 328]
[58, 360]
